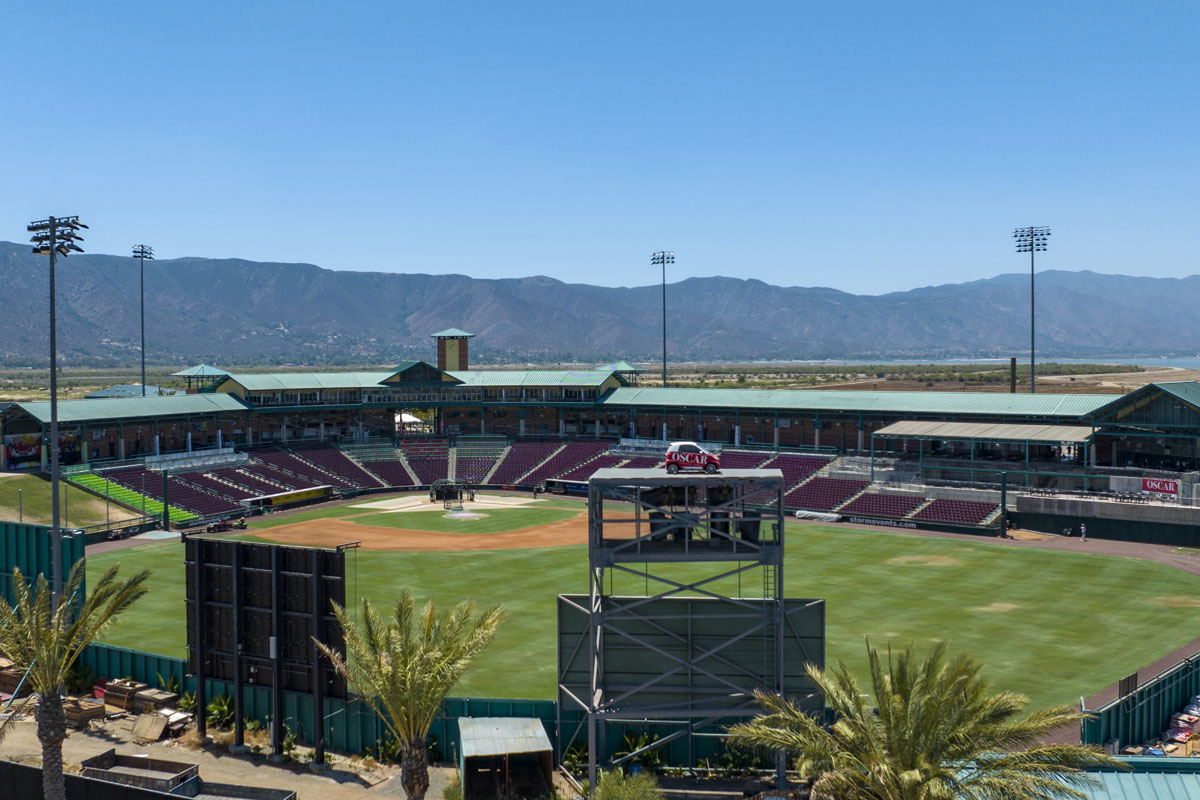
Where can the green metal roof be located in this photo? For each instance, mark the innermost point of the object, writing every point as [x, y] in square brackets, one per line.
[498, 736]
[451, 333]
[1144, 785]
[588, 379]
[308, 381]
[200, 370]
[990, 403]
[621, 366]
[115, 408]
[132, 390]
[1187, 391]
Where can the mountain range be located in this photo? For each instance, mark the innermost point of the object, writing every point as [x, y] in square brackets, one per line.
[231, 311]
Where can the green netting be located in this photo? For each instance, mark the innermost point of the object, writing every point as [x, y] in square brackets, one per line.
[125, 496]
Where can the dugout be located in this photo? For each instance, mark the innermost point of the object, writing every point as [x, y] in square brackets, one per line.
[505, 758]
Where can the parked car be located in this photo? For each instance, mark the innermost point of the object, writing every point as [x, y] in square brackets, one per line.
[691, 457]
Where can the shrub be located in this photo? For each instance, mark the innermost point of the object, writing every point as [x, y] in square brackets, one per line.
[220, 712]
[616, 785]
[454, 790]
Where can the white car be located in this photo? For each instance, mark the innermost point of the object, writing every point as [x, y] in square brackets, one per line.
[691, 457]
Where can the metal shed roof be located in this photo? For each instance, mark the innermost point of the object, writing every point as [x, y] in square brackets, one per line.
[990, 403]
[923, 429]
[496, 736]
[117, 408]
[132, 390]
[452, 333]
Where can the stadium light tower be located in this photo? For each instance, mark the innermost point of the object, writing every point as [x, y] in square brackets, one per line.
[141, 252]
[1031, 240]
[55, 236]
[663, 257]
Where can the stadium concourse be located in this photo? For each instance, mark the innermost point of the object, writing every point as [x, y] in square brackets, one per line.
[912, 457]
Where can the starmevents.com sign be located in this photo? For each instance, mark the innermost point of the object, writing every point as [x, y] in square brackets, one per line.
[1156, 486]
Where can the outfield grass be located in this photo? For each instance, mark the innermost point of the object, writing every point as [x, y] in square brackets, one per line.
[28, 497]
[498, 520]
[1052, 625]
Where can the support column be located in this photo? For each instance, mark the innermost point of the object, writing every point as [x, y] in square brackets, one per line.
[521, 425]
[44, 448]
[283, 429]
[189, 441]
[860, 435]
[84, 447]
[817, 434]
[157, 450]
[597, 424]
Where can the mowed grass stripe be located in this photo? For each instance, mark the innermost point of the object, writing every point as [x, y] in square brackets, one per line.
[1045, 623]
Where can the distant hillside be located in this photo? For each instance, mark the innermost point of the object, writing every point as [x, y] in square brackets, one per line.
[245, 312]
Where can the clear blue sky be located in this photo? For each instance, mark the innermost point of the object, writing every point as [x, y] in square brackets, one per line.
[866, 146]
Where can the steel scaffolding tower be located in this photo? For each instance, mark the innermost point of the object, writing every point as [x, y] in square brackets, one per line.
[711, 627]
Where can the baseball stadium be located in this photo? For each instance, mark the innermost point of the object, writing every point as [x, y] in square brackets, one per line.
[916, 516]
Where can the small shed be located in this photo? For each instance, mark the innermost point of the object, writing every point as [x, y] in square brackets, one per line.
[504, 758]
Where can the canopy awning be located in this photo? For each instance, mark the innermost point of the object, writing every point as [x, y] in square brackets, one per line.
[988, 432]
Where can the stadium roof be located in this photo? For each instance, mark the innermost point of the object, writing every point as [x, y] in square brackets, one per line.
[132, 390]
[925, 429]
[1187, 391]
[305, 381]
[621, 366]
[451, 333]
[200, 371]
[117, 408]
[1143, 785]
[991, 403]
[587, 379]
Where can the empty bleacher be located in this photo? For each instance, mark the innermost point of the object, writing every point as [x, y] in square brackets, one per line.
[641, 462]
[823, 494]
[572, 455]
[287, 462]
[795, 468]
[521, 458]
[244, 478]
[740, 459]
[215, 486]
[329, 459]
[393, 472]
[875, 504]
[428, 458]
[585, 471]
[179, 493]
[965, 512]
[476, 455]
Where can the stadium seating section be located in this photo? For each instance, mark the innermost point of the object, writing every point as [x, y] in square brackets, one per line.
[287, 462]
[585, 471]
[472, 470]
[127, 497]
[392, 472]
[214, 486]
[428, 458]
[521, 458]
[642, 462]
[243, 478]
[180, 493]
[737, 459]
[329, 459]
[874, 504]
[823, 494]
[965, 512]
[570, 456]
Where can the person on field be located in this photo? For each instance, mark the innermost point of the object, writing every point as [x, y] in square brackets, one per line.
[1083, 532]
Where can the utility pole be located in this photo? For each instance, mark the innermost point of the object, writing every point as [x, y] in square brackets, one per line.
[1031, 240]
[141, 252]
[663, 257]
[55, 236]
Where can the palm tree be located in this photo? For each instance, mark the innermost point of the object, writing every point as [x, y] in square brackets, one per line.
[405, 669]
[939, 733]
[47, 641]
